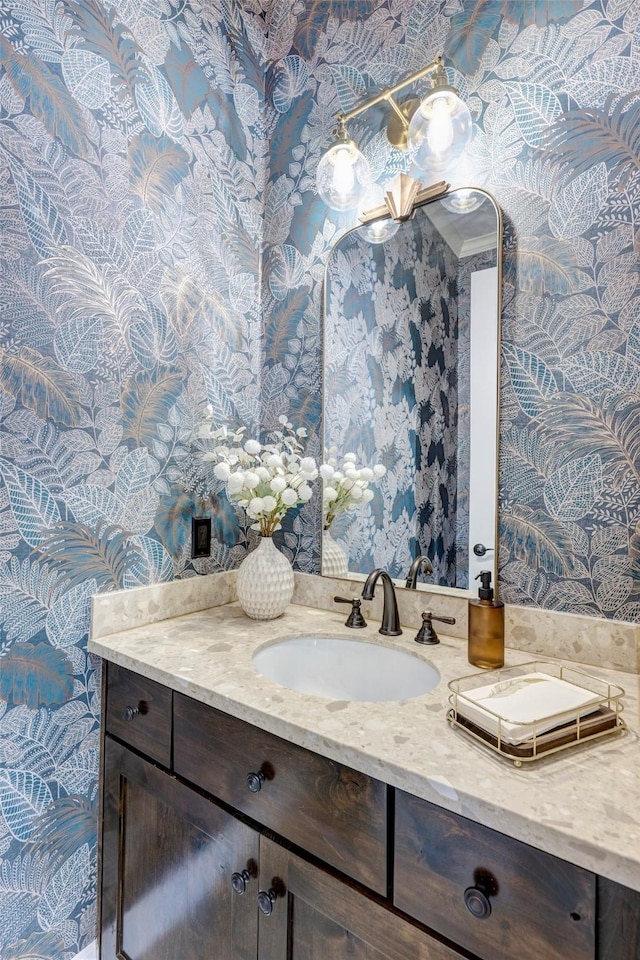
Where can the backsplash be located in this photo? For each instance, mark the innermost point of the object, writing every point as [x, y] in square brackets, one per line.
[541, 633]
[162, 245]
[590, 641]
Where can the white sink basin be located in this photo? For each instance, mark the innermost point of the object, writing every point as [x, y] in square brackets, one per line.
[345, 669]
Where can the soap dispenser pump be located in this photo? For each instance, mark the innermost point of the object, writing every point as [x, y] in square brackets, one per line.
[486, 627]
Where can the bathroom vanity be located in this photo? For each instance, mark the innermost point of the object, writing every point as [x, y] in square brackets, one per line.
[245, 821]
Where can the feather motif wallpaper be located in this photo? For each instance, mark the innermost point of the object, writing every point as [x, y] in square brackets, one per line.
[133, 170]
[162, 246]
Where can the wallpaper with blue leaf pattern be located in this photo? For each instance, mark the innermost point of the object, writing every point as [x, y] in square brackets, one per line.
[162, 246]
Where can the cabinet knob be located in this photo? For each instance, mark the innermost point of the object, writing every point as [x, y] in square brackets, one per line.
[239, 882]
[266, 900]
[477, 902]
[255, 781]
[130, 713]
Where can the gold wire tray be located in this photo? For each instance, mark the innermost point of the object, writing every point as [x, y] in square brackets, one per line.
[546, 734]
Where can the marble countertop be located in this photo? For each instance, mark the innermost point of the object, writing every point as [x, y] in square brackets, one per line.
[582, 804]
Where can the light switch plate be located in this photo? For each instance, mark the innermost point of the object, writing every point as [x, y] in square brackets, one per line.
[200, 537]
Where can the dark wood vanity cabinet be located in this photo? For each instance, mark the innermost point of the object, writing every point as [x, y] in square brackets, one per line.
[170, 862]
[221, 840]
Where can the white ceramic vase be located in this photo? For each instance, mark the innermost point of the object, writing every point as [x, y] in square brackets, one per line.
[335, 562]
[265, 582]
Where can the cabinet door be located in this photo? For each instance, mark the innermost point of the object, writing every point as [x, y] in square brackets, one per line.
[168, 860]
[315, 916]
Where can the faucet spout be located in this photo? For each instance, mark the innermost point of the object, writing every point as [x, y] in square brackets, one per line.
[390, 617]
[420, 563]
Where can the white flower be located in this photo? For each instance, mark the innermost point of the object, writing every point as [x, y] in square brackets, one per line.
[265, 478]
[235, 483]
[282, 419]
[278, 484]
[305, 492]
[251, 480]
[347, 487]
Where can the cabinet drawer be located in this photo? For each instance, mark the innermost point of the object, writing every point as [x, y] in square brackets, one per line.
[139, 712]
[329, 810]
[446, 867]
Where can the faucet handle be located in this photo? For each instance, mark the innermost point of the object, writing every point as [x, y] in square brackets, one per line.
[426, 633]
[355, 618]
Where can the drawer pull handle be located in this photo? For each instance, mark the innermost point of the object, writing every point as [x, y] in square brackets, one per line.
[266, 900]
[130, 713]
[239, 882]
[477, 902]
[255, 781]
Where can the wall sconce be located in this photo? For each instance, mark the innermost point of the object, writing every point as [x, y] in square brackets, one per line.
[435, 130]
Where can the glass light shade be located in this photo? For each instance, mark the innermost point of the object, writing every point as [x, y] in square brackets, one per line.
[439, 130]
[343, 176]
[380, 230]
[463, 201]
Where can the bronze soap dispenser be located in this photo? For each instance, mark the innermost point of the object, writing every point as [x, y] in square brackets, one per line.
[486, 627]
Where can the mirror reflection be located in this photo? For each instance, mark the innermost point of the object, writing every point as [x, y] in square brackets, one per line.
[411, 341]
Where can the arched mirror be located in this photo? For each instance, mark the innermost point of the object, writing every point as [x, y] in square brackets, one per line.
[411, 384]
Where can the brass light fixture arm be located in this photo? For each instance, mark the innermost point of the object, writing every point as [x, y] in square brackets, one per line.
[388, 94]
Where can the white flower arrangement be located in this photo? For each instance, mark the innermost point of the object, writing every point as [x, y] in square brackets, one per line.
[347, 486]
[266, 479]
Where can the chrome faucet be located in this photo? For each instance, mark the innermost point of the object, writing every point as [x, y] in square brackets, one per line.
[390, 617]
[420, 563]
